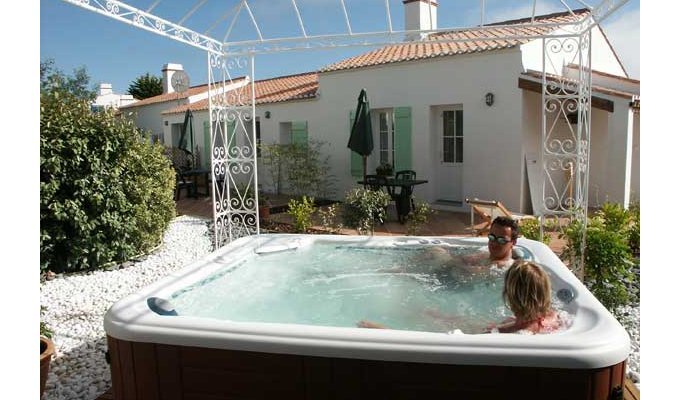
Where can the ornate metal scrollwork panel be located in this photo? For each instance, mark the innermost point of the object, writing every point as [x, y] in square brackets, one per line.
[565, 146]
[233, 156]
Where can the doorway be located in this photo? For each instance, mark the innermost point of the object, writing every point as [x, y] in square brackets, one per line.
[449, 147]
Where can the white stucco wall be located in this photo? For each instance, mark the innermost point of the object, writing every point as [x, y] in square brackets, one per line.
[149, 117]
[114, 100]
[492, 141]
[608, 141]
[491, 169]
[620, 153]
[635, 173]
[603, 59]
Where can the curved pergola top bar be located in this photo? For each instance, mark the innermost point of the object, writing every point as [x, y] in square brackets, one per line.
[231, 63]
[216, 36]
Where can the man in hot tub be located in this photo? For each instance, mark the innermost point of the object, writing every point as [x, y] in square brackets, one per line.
[502, 238]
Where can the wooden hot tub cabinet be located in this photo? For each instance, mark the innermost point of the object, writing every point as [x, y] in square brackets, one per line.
[148, 371]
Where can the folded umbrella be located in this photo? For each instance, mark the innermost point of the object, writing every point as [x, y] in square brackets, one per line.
[361, 137]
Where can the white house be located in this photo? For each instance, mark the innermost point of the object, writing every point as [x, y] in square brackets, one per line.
[106, 97]
[430, 114]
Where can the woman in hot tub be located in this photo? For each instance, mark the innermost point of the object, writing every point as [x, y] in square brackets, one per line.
[526, 292]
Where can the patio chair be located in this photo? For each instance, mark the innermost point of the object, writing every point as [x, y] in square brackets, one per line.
[405, 174]
[182, 182]
[408, 174]
[488, 210]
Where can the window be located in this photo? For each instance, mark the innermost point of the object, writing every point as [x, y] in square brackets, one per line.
[294, 132]
[257, 134]
[176, 133]
[386, 136]
[285, 129]
[453, 136]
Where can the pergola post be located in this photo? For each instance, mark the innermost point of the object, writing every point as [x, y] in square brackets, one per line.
[233, 154]
[565, 155]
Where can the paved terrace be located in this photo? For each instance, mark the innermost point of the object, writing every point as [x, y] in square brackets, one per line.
[443, 223]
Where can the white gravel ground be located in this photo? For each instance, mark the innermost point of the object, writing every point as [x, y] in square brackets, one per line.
[75, 307]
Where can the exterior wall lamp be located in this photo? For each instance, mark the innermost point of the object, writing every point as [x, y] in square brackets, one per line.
[488, 99]
[267, 114]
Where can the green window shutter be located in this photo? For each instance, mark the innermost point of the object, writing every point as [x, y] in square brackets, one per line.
[356, 164]
[402, 138]
[206, 144]
[298, 132]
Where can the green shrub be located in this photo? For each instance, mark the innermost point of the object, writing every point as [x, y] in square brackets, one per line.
[304, 168]
[530, 228]
[615, 217]
[608, 267]
[362, 207]
[329, 218]
[607, 261]
[626, 221]
[634, 229]
[301, 211]
[418, 217]
[44, 329]
[106, 194]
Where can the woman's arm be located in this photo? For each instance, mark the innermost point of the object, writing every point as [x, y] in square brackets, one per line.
[369, 324]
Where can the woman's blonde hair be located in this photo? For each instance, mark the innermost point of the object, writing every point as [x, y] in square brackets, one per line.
[527, 290]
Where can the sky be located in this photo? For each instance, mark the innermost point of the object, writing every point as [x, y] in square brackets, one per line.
[117, 53]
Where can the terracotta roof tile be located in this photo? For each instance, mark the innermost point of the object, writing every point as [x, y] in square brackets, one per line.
[168, 96]
[274, 90]
[430, 49]
[192, 91]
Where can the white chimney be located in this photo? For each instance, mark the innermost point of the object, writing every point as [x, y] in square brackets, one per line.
[420, 15]
[105, 88]
[168, 70]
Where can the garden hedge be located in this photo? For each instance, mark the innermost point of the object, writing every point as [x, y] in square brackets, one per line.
[106, 193]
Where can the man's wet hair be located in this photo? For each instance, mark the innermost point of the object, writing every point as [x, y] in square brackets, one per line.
[510, 223]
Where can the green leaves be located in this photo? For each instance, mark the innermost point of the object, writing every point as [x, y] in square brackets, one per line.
[362, 207]
[146, 86]
[418, 218]
[301, 211]
[58, 83]
[105, 193]
[303, 167]
[530, 229]
[608, 255]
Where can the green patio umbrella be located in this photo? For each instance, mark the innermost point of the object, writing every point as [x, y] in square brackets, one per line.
[361, 138]
[188, 124]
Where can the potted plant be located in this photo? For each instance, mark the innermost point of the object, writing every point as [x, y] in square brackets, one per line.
[264, 207]
[46, 352]
[384, 169]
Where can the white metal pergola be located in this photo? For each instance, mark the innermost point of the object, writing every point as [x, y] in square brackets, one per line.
[235, 210]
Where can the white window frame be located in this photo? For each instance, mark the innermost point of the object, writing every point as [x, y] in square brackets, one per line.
[457, 137]
[385, 147]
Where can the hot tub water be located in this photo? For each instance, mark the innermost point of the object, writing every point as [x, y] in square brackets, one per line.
[329, 284]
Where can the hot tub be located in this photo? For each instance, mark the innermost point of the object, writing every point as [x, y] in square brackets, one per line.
[158, 352]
